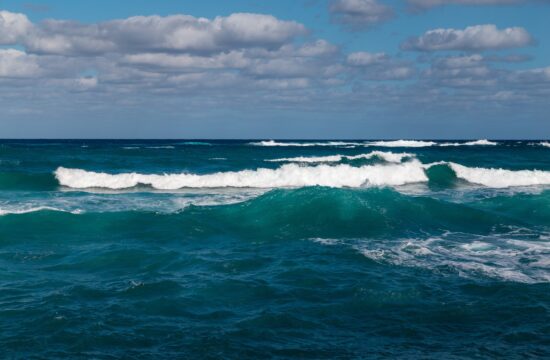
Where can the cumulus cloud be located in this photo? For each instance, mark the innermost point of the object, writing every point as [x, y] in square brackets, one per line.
[363, 58]
[379, 66]
[13, 27]
[359, 14]
[17, 64]
[249, 60]
[472, 38]
[176, 33]
[461, 71]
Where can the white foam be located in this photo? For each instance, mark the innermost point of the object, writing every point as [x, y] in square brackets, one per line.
[500, 178]
[494, 256]
[289, 175]
[306, 144]
[104, 202]
[26, 210]
[545, 144]
[483, 142]
[402, 143]
[386, 156]
[161, 147]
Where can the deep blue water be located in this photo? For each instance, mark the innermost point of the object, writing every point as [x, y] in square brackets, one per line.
[256, 250]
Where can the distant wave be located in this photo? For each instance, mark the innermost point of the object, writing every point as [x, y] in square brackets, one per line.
[382, 143]
[386, 156]
[294, 175]
[483, 142]
[324, 143]
[545, 144]
[197, 143]
[402, 143]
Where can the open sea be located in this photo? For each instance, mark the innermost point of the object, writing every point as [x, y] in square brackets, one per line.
[206, 249]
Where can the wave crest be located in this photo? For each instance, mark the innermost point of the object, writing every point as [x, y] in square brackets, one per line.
[386, 156]
[290, 175]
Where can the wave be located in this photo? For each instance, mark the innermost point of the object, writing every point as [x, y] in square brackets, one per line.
[381, 143]
[27, 181]
[402, 143]
[19, 211]
[386, 156]
[289, 175]
[500, 178]
[306, 144]
[294, 175]
[197, 143]
[545, 144]
[483, 142]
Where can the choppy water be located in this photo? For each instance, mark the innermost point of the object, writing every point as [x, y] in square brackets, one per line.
[249, 249]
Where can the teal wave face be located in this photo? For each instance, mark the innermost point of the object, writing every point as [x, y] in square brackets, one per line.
[454, 264]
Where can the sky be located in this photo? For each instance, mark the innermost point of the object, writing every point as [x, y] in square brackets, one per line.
[275, 69]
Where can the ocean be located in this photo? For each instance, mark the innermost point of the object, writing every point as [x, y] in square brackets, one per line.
[205, 249]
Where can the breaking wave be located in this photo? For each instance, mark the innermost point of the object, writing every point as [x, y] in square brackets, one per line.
[386, 156]
[483, 142]
[402, 143]
[294, 175]
[381, 143]
[500, 178]
[290, 175]
[306, 144]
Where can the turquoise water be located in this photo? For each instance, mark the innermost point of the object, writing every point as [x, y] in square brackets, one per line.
[243, 249]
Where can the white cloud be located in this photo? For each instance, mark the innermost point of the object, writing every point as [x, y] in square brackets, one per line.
[379, 66]
[472, 38]
[13, 27]
[359, 14]
[17, 64]
[86, 83]
[363, 58]
[180, 33]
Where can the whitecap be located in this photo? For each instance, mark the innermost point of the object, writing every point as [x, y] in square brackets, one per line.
[402, 143]
[386, 156]
[500, 178]
[482, 142]
[289, 175]
[26, 210]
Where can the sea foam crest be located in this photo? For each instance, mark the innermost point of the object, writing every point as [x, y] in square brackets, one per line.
[306, 144]
[482, 142]
[289, 175]
[500, 178]
[27, 210]
[402, 143]
[386, 156]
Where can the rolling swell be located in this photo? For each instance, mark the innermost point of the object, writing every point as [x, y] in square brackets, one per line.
[299, 213]
[27, 181]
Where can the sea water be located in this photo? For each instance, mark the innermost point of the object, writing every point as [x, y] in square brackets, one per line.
[274, 249]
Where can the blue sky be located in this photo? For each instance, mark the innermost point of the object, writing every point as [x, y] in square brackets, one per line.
[283, 69]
